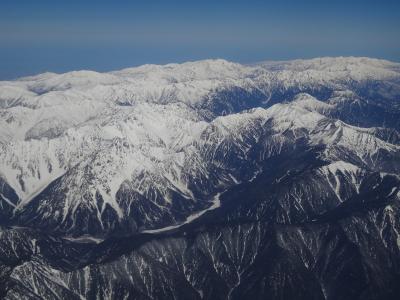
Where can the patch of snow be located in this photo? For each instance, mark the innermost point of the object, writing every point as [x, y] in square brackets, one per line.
[216, 203]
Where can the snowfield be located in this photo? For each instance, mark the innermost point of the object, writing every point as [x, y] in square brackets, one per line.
[287, 172]
[138, 146]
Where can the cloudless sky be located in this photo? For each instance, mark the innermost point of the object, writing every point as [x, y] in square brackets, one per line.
[54, 35]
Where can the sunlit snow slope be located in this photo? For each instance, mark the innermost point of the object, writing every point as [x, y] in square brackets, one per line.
[145, 148]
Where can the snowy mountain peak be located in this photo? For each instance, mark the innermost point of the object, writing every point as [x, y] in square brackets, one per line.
[144, 147]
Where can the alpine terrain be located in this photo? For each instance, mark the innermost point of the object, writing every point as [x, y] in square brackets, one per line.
[203, 180]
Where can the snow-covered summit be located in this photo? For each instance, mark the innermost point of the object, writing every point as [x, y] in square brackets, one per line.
[355, 67]
[146, 146]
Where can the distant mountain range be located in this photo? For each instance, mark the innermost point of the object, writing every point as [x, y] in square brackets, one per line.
[202, 180]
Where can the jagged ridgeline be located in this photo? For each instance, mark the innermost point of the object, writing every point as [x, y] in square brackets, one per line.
[203, 180]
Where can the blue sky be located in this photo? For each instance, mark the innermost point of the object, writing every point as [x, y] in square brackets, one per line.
[39, 36]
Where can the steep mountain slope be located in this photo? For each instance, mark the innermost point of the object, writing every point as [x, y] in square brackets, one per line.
[206, 179]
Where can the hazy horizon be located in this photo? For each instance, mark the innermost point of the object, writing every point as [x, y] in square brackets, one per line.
[194, 60]
[55, 36]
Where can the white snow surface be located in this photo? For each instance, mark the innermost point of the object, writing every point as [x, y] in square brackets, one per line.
[216, 203]
[145, 120]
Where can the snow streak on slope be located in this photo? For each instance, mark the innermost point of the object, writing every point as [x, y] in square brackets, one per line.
[110, 184]
[147, 146]
[216, 203]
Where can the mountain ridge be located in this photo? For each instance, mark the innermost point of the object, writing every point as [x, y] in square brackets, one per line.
[277, 179]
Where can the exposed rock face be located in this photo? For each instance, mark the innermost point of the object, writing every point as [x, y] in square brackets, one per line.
[207, 180]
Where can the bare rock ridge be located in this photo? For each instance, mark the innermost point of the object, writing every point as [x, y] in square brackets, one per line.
[273, 180]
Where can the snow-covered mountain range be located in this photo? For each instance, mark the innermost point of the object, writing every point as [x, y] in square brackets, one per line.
[87, 155]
